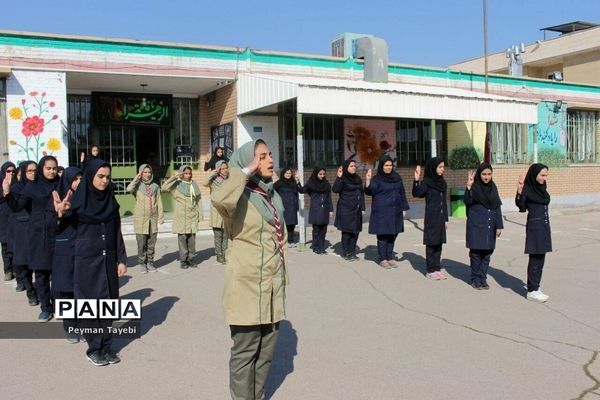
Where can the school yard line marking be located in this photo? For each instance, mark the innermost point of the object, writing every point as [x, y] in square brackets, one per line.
[589, 229]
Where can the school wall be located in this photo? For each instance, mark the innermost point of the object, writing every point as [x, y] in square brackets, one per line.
[223, 110]
[466, 133]
[252, 127]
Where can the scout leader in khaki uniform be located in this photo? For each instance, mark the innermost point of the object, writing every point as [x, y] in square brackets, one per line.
[255, 274]
[188, 213]
[147, 214]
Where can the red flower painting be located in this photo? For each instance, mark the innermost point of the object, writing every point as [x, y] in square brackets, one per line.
[33, 126]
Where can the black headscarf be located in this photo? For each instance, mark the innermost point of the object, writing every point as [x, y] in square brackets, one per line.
[212, 163]
[19, 186]
[432, 179]
[347, 177]
[3, 169]
[64, 185]
[314, 184]
[535, 192]
[392, 177]
[91, 205]
[42, 187]
[485, 194]
[283, 181]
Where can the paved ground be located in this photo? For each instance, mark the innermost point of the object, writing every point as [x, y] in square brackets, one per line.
[355, 330]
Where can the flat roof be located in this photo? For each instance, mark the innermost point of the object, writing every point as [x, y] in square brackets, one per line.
[570, 27]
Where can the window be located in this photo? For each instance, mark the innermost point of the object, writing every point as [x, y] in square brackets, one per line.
[581, 136]
[323, 136]
[414, 141]
[508, 143]
[186, 125]
[117, 145]
[79, 126]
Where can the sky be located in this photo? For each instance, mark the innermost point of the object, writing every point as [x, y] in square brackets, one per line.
[421, 32]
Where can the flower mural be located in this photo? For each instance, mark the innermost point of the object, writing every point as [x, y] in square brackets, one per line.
[35, 115]
[367, 140]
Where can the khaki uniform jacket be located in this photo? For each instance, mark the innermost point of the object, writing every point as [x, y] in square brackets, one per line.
[255, 274]
[216, 221]
[145, 220]
[188, 214]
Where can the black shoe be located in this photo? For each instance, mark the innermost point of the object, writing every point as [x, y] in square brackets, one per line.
[45, 316]
[484, 285]
[20, 287]
[476, 284]
[97, 358]
[72, 338]
[192, 264]
[112, 357]
[353, 257]
[184, 265]
[33, 302]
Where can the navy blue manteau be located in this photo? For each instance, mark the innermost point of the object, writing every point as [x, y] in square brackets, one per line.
[482, 224]
[538, 239]
[350, 206]
[389, 202]
[436, 213]
[291, 203]
[320, 207]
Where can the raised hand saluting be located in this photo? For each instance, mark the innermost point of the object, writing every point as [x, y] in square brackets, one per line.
[520, 184]
[340, 171]
[62, 206]
[470, 179]
[418, 173]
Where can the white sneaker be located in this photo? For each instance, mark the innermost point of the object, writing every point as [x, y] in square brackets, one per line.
[537, 296]
[545, 296]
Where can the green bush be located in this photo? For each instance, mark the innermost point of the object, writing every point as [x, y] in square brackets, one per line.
[552, 158]
[464, 158]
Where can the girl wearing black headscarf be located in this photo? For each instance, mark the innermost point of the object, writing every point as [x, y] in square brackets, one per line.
[63, 264]
[218, 155]
[288, 186]
[350, 207]
[433, 189]
[18, 224]
[484, 222]
[387, 210]
[100, 256]
[41, 230]
[10, 169]
[321, 207]
[533, 197]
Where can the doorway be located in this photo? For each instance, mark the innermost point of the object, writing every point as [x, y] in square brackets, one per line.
[147, 149]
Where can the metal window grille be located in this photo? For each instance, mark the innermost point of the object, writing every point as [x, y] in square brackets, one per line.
[508, 143]
[186, 126]
[79, 128]
[413, 141]
[581, 136]
[117, 145]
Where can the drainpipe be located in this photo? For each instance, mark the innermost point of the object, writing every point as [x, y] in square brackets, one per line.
[300, 158]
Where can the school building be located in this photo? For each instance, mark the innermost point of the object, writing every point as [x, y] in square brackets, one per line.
[168, 104]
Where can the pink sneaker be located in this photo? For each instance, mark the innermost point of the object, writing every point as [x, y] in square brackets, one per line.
[433, 275]
[442, 275]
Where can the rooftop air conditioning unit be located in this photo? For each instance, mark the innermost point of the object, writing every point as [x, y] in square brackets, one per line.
[556, 76]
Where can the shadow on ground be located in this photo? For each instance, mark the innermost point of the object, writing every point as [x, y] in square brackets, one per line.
[283, 359]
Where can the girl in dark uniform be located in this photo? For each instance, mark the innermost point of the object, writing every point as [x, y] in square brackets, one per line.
[433, 188]
[350, 207]
[63, 263]
[18, 224]
[288, 186]
[533, 197]
[42, 230]
[484, 222]
[321, 207]
[7, 168]
[100, 256]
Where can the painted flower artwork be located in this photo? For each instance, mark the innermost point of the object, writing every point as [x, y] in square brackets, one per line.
[367, 140]
[35, 113]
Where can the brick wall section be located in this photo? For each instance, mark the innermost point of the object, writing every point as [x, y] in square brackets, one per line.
[561, 181]
[222, 111]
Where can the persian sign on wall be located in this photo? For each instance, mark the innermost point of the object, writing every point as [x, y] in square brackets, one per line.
[366, 140]
[36, 103]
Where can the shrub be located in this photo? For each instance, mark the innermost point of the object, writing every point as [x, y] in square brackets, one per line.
[464, 158]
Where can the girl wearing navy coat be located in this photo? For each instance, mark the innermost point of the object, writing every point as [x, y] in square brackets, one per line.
[18, 224]
[7, 168]
[321, 207]
[63, 263]
[533, 197]
[484, 222]
[288, 186]
[433, 189]
[100, 256]
[350, 207]
[387, 210]
[41, 231]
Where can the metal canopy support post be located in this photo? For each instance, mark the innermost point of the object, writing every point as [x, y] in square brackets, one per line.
[300, 158]
[433, 139]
